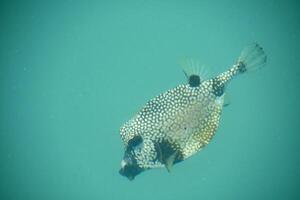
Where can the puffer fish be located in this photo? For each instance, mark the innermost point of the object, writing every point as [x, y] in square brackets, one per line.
[181, 121]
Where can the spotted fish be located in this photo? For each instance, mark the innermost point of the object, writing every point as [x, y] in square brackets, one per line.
[181, 121]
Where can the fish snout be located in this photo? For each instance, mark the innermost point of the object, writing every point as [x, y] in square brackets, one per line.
[129, 168]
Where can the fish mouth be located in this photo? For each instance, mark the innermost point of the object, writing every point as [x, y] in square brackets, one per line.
[122, 172]
[130, 171]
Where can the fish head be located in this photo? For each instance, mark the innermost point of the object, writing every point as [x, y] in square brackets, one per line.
[130, 164]
[143, 154]
[129, 167]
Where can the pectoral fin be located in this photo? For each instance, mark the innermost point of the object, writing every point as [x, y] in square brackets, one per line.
[167, 154]
[227, 100]
[170, 161]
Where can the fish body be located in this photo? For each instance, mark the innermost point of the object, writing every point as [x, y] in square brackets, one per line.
[179, 122]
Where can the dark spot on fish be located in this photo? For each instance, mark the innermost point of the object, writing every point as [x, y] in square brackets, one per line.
[135, 141]
[242, 67]
[194, 80]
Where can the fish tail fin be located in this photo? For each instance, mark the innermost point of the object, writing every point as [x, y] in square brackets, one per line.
[252, 58]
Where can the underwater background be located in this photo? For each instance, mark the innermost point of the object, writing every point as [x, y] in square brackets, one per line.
[72, 72]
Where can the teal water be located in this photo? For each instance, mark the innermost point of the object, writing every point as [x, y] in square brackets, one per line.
[72, 72]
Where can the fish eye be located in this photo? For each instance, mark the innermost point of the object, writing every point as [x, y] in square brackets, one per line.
[135, 141]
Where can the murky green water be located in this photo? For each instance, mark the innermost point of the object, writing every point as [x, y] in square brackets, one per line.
[71, 72]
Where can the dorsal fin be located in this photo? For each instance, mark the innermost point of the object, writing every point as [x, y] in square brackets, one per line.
[193, 71]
